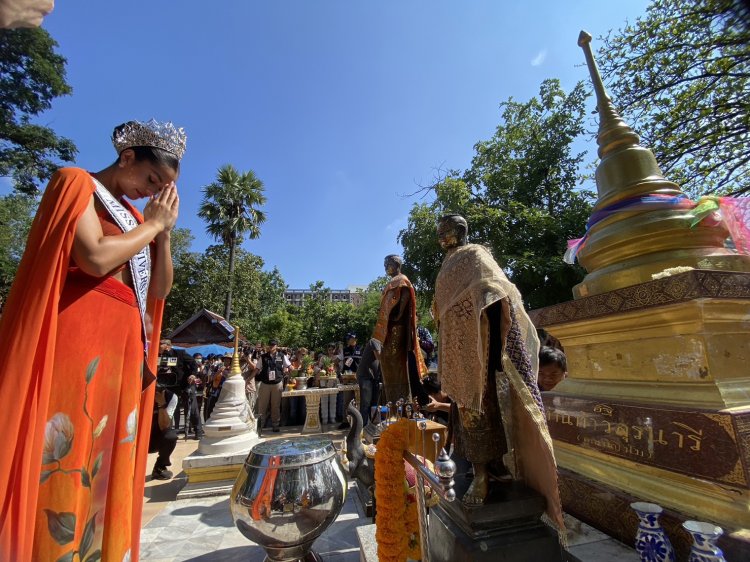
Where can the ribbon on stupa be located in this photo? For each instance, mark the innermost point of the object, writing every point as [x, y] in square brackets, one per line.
[735, 211]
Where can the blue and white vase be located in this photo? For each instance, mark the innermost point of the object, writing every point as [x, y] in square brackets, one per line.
[651, 542]
[704, 547]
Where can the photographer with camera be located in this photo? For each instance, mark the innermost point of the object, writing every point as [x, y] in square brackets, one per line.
[177, 373]
[163, 438]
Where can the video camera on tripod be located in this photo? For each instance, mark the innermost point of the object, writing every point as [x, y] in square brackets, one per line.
[168, 376]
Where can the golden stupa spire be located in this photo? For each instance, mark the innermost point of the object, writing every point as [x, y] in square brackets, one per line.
[236, 370]
[642, 222]
[613, 133]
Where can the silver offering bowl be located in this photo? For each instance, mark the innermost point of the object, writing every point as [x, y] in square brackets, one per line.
[288, 492]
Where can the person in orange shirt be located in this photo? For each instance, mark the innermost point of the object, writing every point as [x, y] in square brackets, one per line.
[86, 309]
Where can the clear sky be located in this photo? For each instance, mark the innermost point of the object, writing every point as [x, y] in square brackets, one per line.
[341, 108]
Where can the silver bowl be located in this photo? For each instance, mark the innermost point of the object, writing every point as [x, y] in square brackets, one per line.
[287, 494]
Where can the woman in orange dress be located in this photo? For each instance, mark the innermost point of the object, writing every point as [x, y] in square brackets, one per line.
[84, 310]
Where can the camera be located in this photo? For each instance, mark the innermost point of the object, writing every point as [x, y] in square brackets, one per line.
[166, 375]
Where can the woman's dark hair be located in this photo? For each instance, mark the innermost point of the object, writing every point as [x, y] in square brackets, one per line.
[150, 153]
[431, 384]
[550, 355]
[155, 156]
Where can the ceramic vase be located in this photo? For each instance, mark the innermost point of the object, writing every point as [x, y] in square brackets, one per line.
[651, 542]
[704, 547]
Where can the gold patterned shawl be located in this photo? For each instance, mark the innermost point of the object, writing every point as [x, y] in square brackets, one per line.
[469, 282]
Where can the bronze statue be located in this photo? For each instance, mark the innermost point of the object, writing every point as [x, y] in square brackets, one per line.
[396, 334]
[487, 361]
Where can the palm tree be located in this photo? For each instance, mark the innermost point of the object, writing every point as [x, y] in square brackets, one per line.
[230, 207]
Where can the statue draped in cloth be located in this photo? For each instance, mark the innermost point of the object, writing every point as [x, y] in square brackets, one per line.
[487, 361]
[396, 335]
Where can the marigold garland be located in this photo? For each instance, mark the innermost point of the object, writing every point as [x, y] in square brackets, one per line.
[396, 519]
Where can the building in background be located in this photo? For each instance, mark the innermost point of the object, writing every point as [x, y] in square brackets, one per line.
[353, 294]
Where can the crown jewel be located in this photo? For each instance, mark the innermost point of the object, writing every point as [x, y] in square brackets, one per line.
[151, 133]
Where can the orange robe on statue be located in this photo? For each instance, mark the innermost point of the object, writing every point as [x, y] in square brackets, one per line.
[399, 339]
[75, 418]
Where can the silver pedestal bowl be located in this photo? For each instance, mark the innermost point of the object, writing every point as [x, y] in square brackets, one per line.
[288, 492]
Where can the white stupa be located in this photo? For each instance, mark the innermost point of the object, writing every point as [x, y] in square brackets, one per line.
[229, 434]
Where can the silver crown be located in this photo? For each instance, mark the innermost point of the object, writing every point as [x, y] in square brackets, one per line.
[152, 133]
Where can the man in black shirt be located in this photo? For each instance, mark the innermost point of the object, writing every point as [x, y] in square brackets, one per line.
[352, 355]
[177, 370]
[274, 365]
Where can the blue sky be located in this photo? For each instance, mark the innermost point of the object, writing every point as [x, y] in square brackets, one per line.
[340, 107]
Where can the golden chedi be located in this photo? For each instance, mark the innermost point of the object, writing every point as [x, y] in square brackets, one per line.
[634, 238]
[657, 403]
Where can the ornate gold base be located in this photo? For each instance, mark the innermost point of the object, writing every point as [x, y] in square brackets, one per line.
[641, 268]
[693, 353]
[607, 508]
[699, 499]
[657, 406]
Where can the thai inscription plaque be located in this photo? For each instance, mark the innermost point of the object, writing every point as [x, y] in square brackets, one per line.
[698, 443]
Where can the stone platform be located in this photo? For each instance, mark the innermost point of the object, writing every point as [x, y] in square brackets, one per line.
[201, 529]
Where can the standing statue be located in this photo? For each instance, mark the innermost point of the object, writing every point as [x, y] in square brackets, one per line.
[395, 333]
[487, 361]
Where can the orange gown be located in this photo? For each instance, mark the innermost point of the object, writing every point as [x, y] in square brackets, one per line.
[75, 418]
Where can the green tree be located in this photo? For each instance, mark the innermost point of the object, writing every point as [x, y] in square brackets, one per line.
[313, 315]
[364, 316]
[272, 292]
[180, 242]
[231, 209]
[283, 325]
[32, 74]
[196, 277]
[680, 76]
[16, 216]
[520, 197]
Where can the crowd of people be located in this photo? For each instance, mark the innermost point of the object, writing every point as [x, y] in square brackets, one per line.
[86, 308]
[188, 386]
[267, 370]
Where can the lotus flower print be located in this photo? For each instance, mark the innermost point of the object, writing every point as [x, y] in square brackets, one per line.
[100, 427]
[58, 438]
[131, 426]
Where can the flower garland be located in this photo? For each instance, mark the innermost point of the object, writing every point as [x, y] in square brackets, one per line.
[396, 519]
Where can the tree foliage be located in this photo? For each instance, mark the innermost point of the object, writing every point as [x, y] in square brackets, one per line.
[16, 215]
[231, 209]
[196, 277]
[680, 76]
[32, 74]
[520, 197]
[320, 321]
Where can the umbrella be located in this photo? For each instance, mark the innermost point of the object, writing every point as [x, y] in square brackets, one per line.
[207, 349]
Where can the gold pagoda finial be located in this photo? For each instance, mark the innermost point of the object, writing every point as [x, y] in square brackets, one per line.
[236, 370]
[639, 225]
[614, 133]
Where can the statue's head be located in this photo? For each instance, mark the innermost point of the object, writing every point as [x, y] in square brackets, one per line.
[392, 264]
[452, 231]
